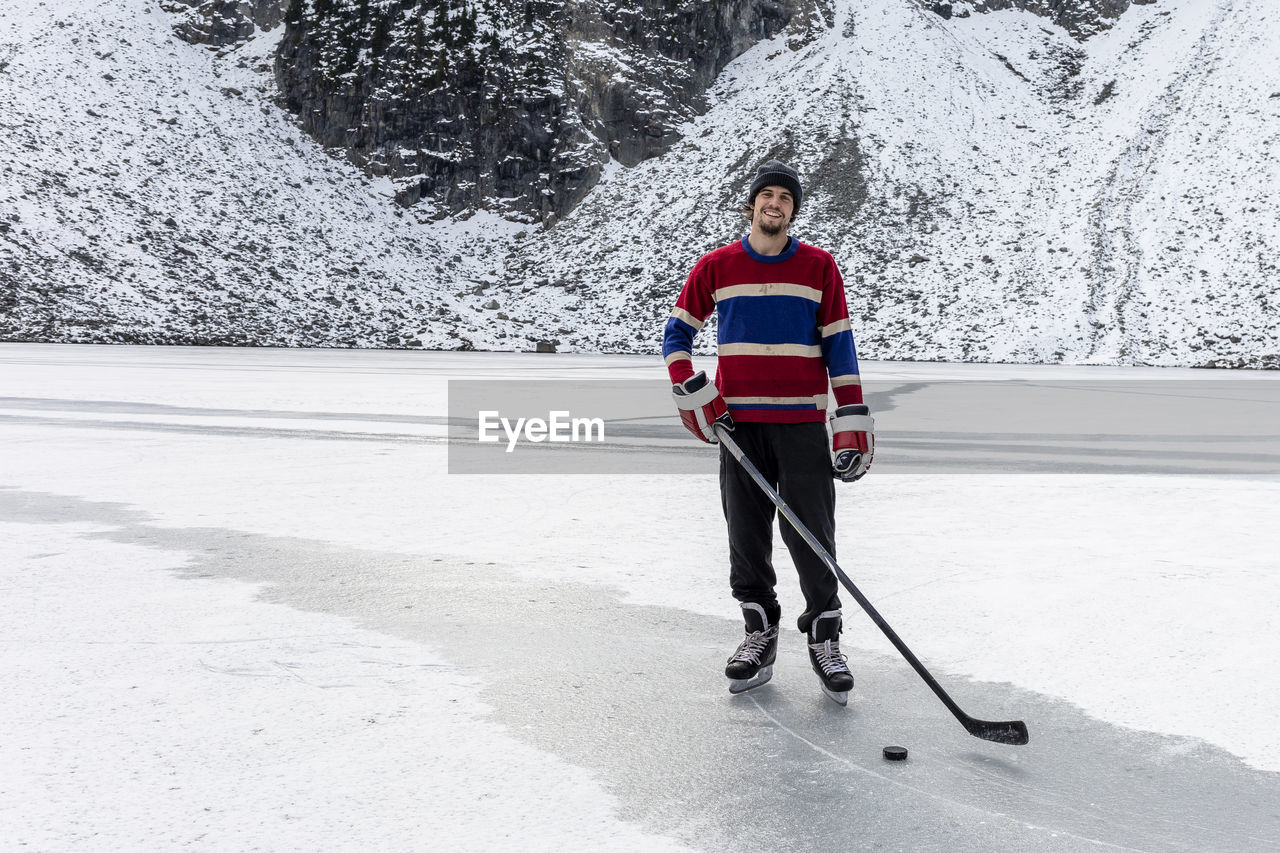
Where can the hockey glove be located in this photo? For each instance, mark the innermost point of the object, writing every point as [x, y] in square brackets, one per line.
[853, 442]
[701, 406]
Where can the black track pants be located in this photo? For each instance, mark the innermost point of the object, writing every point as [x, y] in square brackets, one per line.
[796, 460]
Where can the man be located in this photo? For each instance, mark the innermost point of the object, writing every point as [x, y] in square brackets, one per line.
[784, 333]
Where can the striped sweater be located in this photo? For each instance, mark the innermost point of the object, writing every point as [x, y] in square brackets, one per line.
[783, 331]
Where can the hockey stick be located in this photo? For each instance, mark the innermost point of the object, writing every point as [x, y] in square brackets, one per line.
[1011, 732]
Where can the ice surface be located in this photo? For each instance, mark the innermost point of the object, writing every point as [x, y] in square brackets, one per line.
[245, 604]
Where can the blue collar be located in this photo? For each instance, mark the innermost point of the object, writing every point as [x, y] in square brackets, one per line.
[784, 255]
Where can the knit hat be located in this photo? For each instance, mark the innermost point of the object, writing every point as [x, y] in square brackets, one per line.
[775, 173]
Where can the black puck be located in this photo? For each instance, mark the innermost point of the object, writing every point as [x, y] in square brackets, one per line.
[895, 753]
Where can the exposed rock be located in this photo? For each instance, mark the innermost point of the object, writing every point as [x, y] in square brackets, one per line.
[223, 22]
[1081, 18]
[512, 106]
[1106, 92]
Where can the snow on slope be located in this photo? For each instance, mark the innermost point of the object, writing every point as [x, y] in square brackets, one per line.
[152, 191]
[1203, 165]
[993, 189]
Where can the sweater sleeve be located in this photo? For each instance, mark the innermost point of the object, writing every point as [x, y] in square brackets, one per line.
[692, 308]
[838, 349]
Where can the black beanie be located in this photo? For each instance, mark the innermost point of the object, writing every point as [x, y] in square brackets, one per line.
[775, 173]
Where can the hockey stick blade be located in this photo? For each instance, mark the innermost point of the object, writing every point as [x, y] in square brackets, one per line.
[1013, 732]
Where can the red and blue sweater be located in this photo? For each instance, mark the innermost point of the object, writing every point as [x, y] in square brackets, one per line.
[783, 332]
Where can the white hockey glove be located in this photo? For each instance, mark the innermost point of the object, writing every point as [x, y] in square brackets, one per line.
[701, 406]
[853, 442]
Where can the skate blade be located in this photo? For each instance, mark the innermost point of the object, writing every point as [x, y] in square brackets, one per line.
[742, 685]
[840, 697]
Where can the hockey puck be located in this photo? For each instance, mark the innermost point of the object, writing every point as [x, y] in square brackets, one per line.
[895, 753]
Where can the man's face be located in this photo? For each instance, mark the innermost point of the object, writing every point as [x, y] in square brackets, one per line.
[772, 210]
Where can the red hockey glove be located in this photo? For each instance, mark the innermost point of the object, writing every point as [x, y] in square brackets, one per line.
[853, 442]
[700, 406]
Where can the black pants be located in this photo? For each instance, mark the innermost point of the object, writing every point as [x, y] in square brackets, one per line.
[796, 460]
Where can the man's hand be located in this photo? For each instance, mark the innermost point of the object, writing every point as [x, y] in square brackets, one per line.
[701, 406]
[853, 442]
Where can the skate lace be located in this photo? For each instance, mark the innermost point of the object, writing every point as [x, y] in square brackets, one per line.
[829, 658]
[753, 645]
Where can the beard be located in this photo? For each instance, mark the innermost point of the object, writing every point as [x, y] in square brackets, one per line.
[772, 229]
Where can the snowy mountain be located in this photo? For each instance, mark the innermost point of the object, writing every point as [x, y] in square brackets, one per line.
[1033, 181]
[993, 188]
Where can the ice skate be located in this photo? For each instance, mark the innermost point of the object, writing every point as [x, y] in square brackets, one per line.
[752, 664]
[824, 655]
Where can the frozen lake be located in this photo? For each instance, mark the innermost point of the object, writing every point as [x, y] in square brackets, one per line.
[245, 604]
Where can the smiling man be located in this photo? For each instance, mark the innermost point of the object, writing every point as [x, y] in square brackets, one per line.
[783, 337]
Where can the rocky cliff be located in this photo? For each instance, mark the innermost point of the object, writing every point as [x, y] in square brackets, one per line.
[513, 107]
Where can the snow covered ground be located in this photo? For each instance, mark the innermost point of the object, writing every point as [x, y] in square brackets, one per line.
[245, 605]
